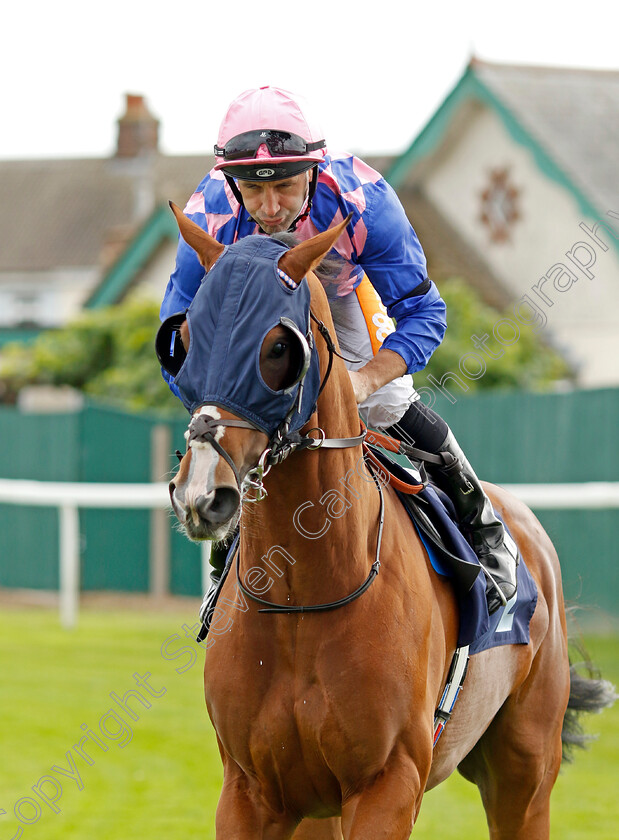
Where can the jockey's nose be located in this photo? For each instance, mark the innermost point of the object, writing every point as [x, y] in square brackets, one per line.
[270, 203]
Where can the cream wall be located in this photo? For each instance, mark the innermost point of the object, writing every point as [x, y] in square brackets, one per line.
[581, 314]
[48, 299]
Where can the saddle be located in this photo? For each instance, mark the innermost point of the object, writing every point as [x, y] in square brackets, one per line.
[450, 552]
[434, 517]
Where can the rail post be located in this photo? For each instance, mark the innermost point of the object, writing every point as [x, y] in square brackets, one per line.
[69, 564]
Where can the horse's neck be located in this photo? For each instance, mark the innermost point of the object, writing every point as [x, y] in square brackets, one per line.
[336, 415]
[337, 410]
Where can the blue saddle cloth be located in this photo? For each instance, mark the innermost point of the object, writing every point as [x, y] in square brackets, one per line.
[509, 625]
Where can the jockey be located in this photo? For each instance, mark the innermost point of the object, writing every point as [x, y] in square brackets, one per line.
[272, 175]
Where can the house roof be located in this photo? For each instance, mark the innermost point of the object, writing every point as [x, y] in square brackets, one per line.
[107, 212]
[568, 117]
[75, 213]
[572, 113]
[132, 257]
[94, 212]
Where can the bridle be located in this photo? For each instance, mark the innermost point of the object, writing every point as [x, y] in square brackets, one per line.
[203, 429]
[282, 443]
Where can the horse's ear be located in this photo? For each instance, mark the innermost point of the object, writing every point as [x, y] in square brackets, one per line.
[207, 248]
[307, 255]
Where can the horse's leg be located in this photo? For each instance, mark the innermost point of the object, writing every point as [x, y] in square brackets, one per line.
[516, 763]
[329, 829]
[238, 817]
[516, 795]
[243, 816]
[388, 808]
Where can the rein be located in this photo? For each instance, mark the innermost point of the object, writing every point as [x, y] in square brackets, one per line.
[270, 607]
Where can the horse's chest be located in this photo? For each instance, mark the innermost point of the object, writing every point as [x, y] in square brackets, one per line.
[313, 717]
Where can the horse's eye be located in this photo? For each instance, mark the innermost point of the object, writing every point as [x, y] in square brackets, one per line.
[278, 349]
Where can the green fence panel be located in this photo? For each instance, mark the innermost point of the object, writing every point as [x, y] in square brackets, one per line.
[586, 542]
[28, 547]
[115, 549]
[519, 437]
[35, 447]
[115, 446]
[185, 556]
[185, 565]
[43, 447]
[508, 437]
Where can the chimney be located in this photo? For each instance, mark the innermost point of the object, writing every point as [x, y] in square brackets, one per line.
[138, 130]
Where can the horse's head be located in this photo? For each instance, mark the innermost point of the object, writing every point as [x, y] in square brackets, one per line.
[246, 366]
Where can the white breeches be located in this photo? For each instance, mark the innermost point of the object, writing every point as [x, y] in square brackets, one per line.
[362, 324]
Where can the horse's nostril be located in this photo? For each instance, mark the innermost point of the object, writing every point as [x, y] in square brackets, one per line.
[221, 507]
[177, 503]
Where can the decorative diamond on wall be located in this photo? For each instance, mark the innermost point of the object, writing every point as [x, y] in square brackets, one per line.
[499, 205]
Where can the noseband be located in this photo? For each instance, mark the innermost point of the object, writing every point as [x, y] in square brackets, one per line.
[203, 429]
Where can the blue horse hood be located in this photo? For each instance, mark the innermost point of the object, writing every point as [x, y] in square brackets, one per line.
[240, 299]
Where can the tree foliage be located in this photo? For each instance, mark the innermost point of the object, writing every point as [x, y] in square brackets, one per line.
[108, 354]
[527, 363]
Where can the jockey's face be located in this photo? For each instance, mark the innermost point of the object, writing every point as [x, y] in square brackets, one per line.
[274, 205]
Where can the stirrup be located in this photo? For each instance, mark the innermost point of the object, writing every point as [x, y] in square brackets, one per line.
[495, 596]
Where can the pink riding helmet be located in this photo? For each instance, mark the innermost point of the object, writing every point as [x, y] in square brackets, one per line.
[268, 134]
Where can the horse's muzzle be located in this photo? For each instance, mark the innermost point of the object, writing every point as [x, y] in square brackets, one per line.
[210, 516]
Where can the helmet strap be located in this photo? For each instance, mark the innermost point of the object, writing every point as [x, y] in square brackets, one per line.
[235, 190]
[310, 195]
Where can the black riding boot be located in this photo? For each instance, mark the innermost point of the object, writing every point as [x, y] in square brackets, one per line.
[495, 549]
[219, 552]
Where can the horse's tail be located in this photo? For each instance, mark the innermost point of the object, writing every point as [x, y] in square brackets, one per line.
[588, 693]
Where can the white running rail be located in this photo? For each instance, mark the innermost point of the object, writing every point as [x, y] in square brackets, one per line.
[69, 497]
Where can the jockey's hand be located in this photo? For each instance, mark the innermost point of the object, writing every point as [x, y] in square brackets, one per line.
[385, 366]
[360, 386]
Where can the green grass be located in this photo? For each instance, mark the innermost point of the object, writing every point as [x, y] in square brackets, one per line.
[164, 783]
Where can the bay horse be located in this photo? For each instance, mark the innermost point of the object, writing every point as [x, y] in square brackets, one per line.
[325, 718]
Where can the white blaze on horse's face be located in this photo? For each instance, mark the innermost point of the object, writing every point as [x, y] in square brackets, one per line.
[205, 505]
[203, 462]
